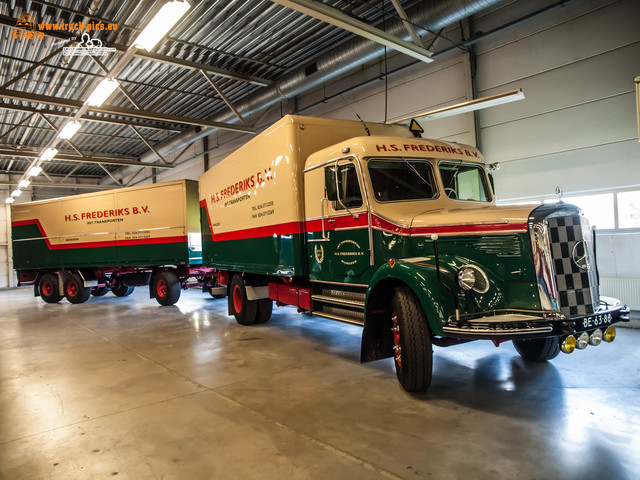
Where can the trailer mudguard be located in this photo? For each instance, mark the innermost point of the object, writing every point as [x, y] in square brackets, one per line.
[435, 299]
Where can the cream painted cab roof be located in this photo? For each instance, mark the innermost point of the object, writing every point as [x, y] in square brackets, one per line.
[396, 146]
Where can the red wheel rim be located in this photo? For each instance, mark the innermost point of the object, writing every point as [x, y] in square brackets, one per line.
[161, 288]
[47, 288]
[72, 289]
[237, 299]
[397, 348]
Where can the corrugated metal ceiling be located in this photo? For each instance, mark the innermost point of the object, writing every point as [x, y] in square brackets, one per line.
[255, 38]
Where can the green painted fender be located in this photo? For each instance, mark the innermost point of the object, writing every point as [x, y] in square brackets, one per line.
[437, 303]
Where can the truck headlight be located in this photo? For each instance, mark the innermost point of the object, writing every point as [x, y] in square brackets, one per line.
[471, 277]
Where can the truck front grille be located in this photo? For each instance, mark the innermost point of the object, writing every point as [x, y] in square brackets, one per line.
[565, 260]
[574, 263]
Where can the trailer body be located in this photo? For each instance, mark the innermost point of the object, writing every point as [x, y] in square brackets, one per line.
[116, 238]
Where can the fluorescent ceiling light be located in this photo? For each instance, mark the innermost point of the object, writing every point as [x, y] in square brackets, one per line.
[103, 91]
[10, 200]
[24, 183]
[465, 107]
[69, 130]
[159, 25]
[49, 153]
[34, 171]
[16, 193]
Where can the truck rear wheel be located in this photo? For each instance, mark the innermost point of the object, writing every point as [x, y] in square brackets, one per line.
[166, 287]
[99, 291]
[245, 311]
[74, 289]
[121, 290]
[265, 307]
[49, 288]
[538, 349]
[413, 354]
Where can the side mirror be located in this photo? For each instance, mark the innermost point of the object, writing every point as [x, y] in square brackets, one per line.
[330, 183]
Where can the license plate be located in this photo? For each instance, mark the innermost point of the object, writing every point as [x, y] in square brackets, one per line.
[596, 321]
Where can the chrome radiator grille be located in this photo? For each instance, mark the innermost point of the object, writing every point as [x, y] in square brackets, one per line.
[565, 260]
[574, 264]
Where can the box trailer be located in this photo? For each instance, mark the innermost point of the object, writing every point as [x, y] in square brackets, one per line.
[118, 239]
[371, 225]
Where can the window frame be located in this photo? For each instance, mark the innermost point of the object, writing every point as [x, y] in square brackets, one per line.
[428, 161]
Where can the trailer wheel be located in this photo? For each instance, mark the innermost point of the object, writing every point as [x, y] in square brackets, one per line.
[538, 349]
[166, 287]
[121, 290]
[49, 290]
[74, 290]
[99, 291]
[412, 341]
[244, 310]
[265, 307]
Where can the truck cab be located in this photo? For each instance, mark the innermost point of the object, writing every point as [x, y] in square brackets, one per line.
[404, 238]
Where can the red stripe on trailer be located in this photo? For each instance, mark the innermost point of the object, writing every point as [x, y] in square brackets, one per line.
[107, 243]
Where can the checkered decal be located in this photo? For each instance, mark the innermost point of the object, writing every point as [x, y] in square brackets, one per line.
[577, 287]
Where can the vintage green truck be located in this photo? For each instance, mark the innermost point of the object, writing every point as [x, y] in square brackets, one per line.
[367, 224]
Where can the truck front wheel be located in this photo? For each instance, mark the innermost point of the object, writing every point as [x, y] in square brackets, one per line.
[166, 287]
[245, 311]
[49, 289]
[74, 289]
[538, 349]
[413, 354]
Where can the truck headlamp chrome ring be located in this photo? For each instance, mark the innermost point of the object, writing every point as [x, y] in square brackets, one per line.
[473, 278]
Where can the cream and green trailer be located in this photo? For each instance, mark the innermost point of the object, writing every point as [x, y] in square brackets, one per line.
[114, 240]
[370, 225]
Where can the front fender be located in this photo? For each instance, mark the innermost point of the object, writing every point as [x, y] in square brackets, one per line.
[436, 301]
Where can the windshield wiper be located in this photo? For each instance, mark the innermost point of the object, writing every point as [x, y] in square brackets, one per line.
[419, 176]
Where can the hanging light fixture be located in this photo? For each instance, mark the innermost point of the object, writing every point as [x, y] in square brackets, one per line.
[103, 91]
[161, 23]
[69, 130]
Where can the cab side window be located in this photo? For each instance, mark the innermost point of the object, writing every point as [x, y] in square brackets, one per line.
[349, 188]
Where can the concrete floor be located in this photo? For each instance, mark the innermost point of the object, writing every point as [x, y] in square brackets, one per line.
[120, 387]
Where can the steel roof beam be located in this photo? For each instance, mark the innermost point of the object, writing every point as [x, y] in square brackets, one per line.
[126, 112]
[342, 20]
[157, 57]
[64, 185]
[67, 157]
[90, 118]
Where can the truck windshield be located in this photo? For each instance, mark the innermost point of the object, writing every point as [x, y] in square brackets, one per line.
[401, 179]
[464, 182]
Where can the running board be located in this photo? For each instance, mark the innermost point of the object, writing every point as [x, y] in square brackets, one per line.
[340, 318]
[339, 301]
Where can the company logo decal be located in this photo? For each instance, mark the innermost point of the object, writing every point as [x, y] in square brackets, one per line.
[580, 255]
[348, 251]
[88, 46]
[26, 28]
[318, 251]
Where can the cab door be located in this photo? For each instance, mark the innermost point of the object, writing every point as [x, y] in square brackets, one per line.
[339, 249]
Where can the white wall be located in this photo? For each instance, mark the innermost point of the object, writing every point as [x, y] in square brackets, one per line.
[577, 128]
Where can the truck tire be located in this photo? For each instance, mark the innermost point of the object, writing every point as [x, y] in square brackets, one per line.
[538, 349]
[99, 291]
[74, 289]
[49, 289]
[265, 307]
[122, 290]
[245, 311]
[166, 287]
[413, 354]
